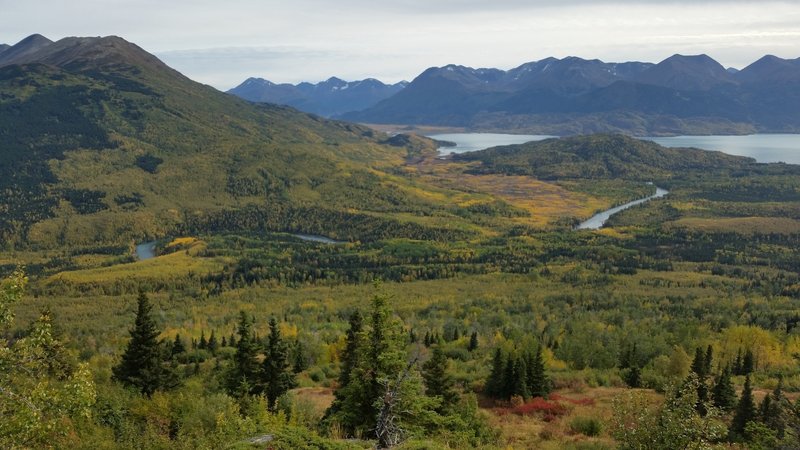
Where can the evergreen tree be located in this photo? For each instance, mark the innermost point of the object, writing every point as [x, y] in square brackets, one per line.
[438, 381]
[243, 376]
[774, 413]
[539, 383]
[737, 363]
[276, 374]
[745, 412]
[202, 344]
[427, 340]
[412, 336]
[520, 379]
[385, 392]
[509, 378]
[633, 377]
[748, 363]
[212, 345]
[699, 363]
[348, 405]
[708, 360]
[473, 341]
[232, 340]
[699, 367]
[141, 366]
[723, 393]
[224, 342]
[300, 363]
[177, 346]
[496, 380]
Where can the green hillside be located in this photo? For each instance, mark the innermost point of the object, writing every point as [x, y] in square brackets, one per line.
[600, 156]
[106, 144]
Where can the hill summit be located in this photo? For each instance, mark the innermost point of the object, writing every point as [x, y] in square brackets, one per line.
[104, 143]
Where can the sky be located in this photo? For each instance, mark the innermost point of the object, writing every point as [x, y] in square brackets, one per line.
[222, 43]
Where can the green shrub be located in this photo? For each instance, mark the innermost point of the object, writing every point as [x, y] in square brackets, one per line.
[587, 426]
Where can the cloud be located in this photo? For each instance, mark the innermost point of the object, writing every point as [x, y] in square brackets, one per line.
[222, 43]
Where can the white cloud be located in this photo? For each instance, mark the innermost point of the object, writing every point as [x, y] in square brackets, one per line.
[222, 43]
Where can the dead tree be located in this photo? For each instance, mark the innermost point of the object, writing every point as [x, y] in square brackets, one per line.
[388, 431]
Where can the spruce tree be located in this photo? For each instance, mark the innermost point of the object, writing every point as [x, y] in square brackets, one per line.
[212, 345]
[496, 380]
[243, 377]
[748, 363]
[473, 341]
[202, 344]
[723, 394]
[141, 366]
[177, 346]
[520, 379]
[350, 404]
[539, 383]
[633, 376]
[774, 415]
[699, 363]
[299, 362]
[385, 391]
[708, 360]
[700, 366]
[509, 378]
[276, 374]
[737, 363]
[438, 381]
[745, 412]
[224, 342]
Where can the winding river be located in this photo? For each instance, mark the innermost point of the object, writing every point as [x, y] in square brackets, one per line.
[598, 220]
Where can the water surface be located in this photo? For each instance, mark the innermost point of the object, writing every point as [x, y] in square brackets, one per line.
[765, 148]
[316, 238]
[598, 220]
[470, 142]
[146, 250]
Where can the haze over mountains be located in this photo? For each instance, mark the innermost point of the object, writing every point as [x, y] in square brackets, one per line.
[680, 95]
[326, 98]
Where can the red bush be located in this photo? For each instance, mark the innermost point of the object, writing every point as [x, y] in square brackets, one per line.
[549, 410]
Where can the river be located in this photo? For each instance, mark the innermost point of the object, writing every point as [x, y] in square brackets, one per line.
[316, 238]
[598, 220]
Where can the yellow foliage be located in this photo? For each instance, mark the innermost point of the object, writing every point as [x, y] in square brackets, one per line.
[766, 348]
[288, 330]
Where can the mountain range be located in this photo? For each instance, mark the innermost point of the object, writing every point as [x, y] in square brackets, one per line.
[104, 144]
[680, 95]
[327, 98]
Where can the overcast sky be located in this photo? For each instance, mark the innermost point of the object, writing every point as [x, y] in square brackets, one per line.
[223, 42]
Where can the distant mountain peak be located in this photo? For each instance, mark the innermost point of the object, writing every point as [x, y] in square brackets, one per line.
[687, 72]
[84, 53]
[333, 96]
[24, 48]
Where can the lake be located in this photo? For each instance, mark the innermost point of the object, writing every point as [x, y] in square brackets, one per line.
[764, 148]
[146, 250]
[470, 142]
